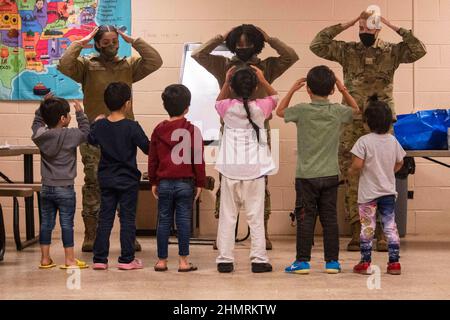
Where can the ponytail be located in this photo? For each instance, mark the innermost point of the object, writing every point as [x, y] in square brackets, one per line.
[243, 83]
[254, 125]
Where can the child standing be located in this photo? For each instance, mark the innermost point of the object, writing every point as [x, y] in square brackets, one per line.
[58, 146]
[176, 170]
[377, 156]
[244, 160]
[318, 126]
[118, 175]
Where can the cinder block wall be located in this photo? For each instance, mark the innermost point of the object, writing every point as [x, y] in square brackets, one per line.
[169, 24]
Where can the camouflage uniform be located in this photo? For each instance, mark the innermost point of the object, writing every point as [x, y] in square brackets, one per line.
[272, 67]
[95, 74]
[367, 71]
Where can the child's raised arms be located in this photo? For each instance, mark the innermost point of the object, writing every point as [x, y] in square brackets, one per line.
[300, 83]
[347, 96]
[262, 81]
[225, 91]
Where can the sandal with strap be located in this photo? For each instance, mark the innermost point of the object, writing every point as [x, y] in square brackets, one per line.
[79, 265]
[191, 268]
[47, 266]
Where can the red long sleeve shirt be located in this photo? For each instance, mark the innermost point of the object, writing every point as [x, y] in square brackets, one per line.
[176, 152]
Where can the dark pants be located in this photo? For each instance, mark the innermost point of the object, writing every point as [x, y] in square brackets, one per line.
[110, 199]
[54, 199]
[175, 196]
[318, 196]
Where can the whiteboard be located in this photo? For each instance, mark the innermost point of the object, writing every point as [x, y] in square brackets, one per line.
[204, 90]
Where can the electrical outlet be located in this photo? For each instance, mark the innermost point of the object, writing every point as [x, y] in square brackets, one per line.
[410, 194]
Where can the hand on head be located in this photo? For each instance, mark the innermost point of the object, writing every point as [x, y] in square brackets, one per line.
[300, 83]
[229, 74]
[125, 37]
[84, 41]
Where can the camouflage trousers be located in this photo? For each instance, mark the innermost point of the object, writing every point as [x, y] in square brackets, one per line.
[350, 134]
[90, 156]
[267, 205]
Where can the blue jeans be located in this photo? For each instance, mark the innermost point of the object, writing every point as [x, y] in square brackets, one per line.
[111, 198]
[175, 196]
[55, 199]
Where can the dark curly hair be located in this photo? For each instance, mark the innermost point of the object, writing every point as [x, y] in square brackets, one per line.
[243, 83]
[253, 35]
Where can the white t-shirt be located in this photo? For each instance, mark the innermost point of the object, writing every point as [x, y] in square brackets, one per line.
[240, 156]
[380, 153]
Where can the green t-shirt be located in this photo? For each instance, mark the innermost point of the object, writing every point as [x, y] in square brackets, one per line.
[318, 130]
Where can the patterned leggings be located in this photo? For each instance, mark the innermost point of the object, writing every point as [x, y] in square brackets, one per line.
[367, 215]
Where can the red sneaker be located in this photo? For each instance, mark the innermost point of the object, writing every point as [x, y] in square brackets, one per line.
[394, 268]
[362, 268]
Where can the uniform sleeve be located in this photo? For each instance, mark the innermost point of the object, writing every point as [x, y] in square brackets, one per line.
[71, 64]
[399, 152]
[359, 149]
[292, 114]
[140, 139]
[267, 105]
[215, 64]
[148, 62]
[410, 49]
[325, 47]
[345, 113]
[276, 66]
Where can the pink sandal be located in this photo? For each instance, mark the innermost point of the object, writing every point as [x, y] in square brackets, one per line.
[135, 264]
[100, 266]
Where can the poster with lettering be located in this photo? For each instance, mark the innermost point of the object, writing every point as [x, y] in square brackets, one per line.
[35, 33]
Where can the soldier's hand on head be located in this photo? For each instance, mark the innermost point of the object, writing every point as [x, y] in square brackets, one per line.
[366, 14]
[266, 36]
[84, 41]
[125, 37]
[390, 25]
[300, 83]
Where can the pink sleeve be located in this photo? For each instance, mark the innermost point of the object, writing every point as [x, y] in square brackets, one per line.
[267, 105]
[223, 105]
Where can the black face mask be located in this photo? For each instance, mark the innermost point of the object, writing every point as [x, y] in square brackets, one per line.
[244, 53]
[367, 39]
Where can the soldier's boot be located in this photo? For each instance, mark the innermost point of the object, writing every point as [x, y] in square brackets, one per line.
[268, 242]
[382, 245]
[90, 229]
[354, 243]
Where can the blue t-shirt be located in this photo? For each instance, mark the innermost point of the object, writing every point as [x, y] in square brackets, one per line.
[118, 142]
